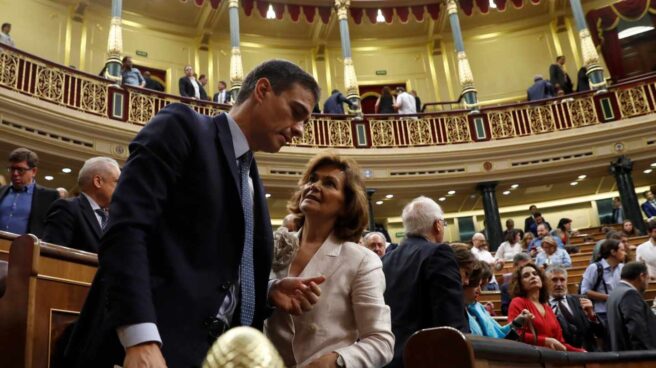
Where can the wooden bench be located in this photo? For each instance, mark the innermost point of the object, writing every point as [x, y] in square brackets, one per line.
[446, 347]
[46, 286]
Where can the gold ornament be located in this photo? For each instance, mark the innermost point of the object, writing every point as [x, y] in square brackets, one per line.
[243, 347]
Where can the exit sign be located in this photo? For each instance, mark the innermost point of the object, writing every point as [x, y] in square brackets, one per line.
[381, 72]
[142, 53]
[399, 234]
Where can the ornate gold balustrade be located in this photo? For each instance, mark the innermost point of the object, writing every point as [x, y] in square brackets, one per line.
[33, 76]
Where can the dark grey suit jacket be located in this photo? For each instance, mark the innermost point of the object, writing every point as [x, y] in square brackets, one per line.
[631, 323]
[72, 223]
[423, 290]
[173, 246]
[42, 198]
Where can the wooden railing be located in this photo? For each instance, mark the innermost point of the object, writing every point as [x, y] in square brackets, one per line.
[445, 347]
[42, 79]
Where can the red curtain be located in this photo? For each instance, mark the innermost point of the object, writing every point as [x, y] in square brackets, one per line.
[603, 23]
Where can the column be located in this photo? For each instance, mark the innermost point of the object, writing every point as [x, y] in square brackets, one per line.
[464, 71]
[114, 44]
[590, 56]
[350, 80]
[621, 169]
[372, 222]
[492, 218]
[236, 67]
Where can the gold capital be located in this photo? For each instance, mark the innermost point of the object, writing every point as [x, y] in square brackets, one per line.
[590, 55]
[451, 7]
[115, 39]
[236, 68]
[464, 70]
[342, 8]
[233, 3]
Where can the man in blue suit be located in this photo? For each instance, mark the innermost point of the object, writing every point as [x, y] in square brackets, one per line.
[335, 103]
[649, 207]
[190, 231]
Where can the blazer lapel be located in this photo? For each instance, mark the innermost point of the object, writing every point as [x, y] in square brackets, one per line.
[326, 261]
[225, 138]
[89, 215]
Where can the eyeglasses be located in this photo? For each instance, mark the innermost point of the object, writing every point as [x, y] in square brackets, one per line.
[19, 170]
[443, 221]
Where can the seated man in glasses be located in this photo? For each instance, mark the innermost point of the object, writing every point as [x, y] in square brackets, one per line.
[24, 204]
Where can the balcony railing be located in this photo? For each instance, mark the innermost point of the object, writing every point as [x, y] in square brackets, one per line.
[42, 79]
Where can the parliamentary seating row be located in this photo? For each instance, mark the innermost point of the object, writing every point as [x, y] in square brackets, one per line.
[445, 347]
[46, 286]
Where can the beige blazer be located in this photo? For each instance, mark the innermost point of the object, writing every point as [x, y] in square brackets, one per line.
[350, 318]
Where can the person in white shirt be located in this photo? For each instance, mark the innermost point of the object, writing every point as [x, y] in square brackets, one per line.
[4, 35]
[646, 252]
[189, 86]
[510, 247]
[479, 249]
[405, 102]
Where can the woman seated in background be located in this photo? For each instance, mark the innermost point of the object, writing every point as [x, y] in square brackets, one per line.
[466, 261]
[350, 325]
[526, 240]
[564, 231]
[481, 322]
[552, 255]
[511, 246]
[629, 230]
[529, 290]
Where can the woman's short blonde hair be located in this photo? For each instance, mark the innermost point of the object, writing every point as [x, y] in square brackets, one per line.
[354, 217]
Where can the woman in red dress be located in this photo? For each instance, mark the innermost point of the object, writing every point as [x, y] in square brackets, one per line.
[529, 290]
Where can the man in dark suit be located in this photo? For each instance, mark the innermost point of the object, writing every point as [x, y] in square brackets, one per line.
[424, 288]
[223, 96]
[335, 103]
[79, 222]
[649, 207]
[559, 78]
[618, 211]
[189, 86]
[576, 315]
[530, 221]
[188, 249]
[24, 204]
[152, 83]
[631, 323]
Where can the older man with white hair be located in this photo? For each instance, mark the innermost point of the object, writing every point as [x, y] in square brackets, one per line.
[424, 288]
[479, 249]
[79, 222]
[375, 241]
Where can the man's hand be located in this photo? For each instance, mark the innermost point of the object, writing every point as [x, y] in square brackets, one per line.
[296, 295]
[588, 308]
[325, 361]
[146, 355]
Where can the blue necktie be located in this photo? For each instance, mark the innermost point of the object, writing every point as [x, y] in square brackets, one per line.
[247, 272]
[104, 217]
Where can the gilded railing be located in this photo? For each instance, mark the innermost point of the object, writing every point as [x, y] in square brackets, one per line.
[33, 76]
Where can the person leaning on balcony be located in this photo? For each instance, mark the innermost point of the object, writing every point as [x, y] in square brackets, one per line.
[540, 89]
[385, 103]
[4, 35]
[131, 76]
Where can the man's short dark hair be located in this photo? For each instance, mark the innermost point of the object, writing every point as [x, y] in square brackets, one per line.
[537, 213]
[607, 246]
[224, 83]
[532, 206]
[282, 75]
[23, 154]
[202, 76]
[125, 58]
[5, 25]
[560, 57]
[651, 225]
[612, 234]
[633, 270]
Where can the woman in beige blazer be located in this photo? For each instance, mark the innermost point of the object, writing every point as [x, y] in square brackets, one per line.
[350, 324]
